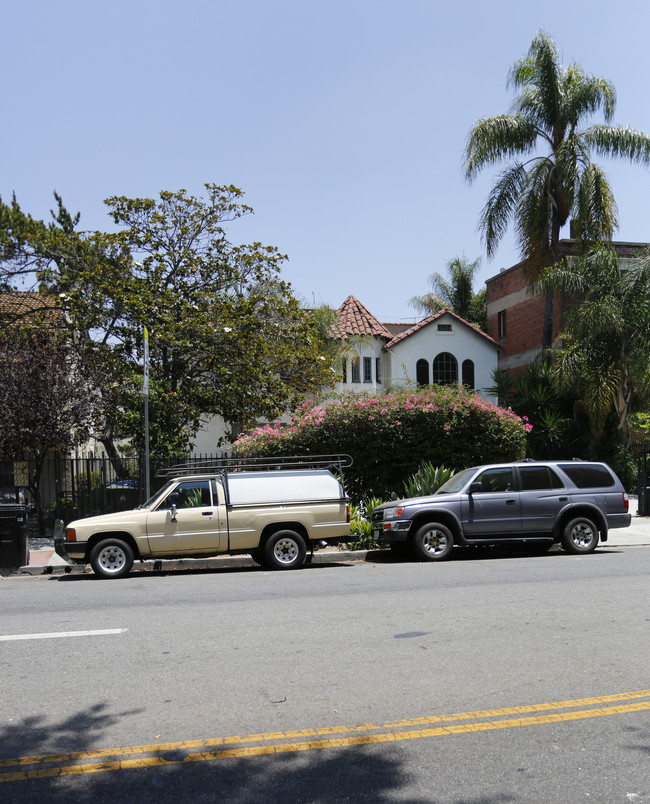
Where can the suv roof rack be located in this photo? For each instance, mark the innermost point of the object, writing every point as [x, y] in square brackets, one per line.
[225, 465]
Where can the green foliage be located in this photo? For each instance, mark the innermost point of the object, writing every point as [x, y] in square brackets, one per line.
[456, 293]
[427, 480]
[360, 525]
[389, 436]
[226, 335]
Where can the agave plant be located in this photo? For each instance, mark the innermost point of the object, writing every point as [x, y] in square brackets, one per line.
[427, 480]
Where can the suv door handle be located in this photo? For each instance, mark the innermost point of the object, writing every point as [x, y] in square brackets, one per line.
[510, 502]
[563, 499]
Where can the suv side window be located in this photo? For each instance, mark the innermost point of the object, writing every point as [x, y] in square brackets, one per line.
[588, 475]
[496, 479]
[539, 478]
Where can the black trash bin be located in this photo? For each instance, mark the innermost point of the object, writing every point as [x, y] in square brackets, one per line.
[14, 543]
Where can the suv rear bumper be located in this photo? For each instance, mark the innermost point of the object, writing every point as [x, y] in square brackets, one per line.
[619, 521]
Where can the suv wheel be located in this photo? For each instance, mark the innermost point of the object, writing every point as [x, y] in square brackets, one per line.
[580, 535]
[433, 542]
[111, 558]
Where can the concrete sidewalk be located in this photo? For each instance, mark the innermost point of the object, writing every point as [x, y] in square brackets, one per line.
[44, 561]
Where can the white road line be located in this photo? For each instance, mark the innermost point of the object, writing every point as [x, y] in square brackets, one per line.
[58, 634]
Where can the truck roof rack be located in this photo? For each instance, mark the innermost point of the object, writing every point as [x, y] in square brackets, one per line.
[213, 466]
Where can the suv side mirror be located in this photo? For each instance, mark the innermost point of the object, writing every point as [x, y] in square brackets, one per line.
[474, 487]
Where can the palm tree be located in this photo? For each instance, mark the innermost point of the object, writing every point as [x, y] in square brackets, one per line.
[607, 339]
[455, 294]
[550, 176]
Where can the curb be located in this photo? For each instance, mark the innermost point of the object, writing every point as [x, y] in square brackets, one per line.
[166, 565]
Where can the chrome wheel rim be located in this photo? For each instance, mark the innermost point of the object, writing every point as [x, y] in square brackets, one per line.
[434, 542]
[582, 535]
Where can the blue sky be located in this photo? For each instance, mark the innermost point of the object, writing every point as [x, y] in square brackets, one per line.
[343, 121]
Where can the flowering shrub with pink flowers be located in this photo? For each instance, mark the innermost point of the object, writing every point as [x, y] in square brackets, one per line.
[390, 435]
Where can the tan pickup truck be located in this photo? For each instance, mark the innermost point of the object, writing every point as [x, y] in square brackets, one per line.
[274, 514]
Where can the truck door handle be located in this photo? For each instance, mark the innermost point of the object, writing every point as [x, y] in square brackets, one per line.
[206, 513]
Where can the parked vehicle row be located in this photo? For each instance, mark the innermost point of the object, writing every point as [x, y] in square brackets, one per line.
[278, 509]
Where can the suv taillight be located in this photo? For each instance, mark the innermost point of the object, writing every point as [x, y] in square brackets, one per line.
[626, 501]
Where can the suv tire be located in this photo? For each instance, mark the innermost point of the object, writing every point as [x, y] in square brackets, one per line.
[432, 542]
[580, 535]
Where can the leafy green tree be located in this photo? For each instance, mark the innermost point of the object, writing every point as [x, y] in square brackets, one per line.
[550, 175]
[226, 335]
[606, 343]
[456, 293]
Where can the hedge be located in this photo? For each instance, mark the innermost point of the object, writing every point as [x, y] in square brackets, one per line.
[389, 436]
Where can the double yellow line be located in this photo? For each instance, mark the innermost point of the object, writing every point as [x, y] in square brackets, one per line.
[250, 745]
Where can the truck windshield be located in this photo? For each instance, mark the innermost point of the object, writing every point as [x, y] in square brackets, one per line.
[157, 495]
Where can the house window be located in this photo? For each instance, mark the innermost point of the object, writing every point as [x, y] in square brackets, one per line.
[367, 369]
[445, 369]
[468, 374]
[501, 324]
[378, 374]
[344, 372]
[356, 370]
[444, 327]
[422, 372]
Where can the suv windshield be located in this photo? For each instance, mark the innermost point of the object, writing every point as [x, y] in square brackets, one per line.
[456, 482]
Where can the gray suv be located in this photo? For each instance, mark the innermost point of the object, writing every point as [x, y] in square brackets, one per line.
[538, 503]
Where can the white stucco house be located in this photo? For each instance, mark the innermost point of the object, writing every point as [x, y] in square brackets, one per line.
[442, 348]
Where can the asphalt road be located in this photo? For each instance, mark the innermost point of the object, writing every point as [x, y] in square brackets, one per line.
[483, 679]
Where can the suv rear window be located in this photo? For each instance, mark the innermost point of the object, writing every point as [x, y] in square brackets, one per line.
[588, 475]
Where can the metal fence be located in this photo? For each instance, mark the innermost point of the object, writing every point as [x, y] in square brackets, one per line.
[69, 488]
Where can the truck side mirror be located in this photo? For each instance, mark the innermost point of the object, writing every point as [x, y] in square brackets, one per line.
[173, 512]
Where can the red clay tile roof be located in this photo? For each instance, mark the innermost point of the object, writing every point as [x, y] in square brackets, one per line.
[22, 304]
[435, 317]
[355, 319]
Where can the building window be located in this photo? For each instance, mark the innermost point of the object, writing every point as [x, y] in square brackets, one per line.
[422, 372]
[367, 369]
[378, 374]
[445, 369]
[444, 327]
[344, 367]
[468, 374]
[501, 324]
[356, 370]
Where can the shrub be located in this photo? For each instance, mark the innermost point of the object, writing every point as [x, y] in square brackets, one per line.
[390, 436]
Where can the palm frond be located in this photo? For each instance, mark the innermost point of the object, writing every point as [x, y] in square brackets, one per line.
[497, 139]
[501, 205]
[595, 205]
[619, 141]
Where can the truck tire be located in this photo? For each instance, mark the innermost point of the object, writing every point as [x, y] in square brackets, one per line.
[432, 542]
[580, 535]
[111, 558]
[285, 550]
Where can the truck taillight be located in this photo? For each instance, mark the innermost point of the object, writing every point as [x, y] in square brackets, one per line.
[626, 501]
[71, 535]
[348, 512]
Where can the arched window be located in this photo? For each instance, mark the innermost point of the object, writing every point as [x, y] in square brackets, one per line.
[445, 369]
[422, 372]
[468, 373]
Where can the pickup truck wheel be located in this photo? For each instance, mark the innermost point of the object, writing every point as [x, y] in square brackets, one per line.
[432, 542]
[111, 558]
[258, 557]
[580, 535]
[284, 550]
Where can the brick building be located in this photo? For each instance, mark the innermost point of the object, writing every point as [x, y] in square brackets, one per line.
[516, 315]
